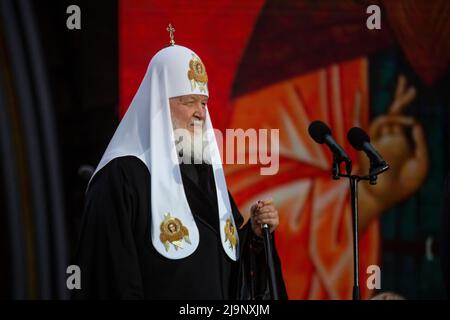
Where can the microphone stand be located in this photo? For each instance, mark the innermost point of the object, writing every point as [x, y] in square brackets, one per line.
[354, 180]
[269, 260]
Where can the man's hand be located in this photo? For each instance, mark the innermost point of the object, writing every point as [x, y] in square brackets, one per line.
[407, 157]
[264, 212]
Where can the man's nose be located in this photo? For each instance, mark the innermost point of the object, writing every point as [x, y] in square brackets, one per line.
[200, 110]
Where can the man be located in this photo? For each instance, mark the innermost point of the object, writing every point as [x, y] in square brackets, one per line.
[157, 229]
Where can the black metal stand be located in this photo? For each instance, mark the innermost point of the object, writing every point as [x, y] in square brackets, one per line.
[354, 179]
[354, 195]
[269, 259]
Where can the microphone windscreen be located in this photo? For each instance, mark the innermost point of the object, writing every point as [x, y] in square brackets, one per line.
[357, 137]
[318, 131]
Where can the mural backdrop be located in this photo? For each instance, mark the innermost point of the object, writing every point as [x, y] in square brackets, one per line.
[281, 65]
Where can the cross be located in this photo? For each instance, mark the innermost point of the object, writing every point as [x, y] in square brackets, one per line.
[171, 30]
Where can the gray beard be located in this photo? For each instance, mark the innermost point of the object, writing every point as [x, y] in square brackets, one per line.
[192, 150]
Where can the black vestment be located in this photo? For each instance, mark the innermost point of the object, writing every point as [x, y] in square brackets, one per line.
[117, 258]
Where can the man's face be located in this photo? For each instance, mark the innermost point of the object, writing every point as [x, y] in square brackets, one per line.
[188, 116]
[172, 227]
[188, 112]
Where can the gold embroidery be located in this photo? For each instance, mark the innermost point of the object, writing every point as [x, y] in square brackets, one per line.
[230, 233]
[173, 232]
[197, 74]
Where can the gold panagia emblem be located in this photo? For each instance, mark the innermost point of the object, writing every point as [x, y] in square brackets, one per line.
[197, 74]
[173, 232]
[230, 233]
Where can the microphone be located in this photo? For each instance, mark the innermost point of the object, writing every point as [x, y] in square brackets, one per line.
[360, 140]
[321, 134]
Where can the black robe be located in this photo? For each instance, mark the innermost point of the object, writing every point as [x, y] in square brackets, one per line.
[117, 258]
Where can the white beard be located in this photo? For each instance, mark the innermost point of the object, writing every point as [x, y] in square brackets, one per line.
[192, 147]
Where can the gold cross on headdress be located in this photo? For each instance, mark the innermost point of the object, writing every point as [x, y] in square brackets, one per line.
[171, 30]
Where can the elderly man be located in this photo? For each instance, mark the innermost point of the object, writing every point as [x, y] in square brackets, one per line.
[156, 228]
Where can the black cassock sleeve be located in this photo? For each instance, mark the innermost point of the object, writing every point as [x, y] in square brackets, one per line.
[253, 273]
[106, 252]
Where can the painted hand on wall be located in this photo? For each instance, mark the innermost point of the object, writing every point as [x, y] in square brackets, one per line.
[401, 141]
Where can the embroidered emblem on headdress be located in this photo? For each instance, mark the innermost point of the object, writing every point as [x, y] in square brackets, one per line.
[230, 233]
[173, 232]
[197, 74]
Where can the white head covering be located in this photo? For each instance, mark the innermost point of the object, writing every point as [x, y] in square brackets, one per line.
[146, 132]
